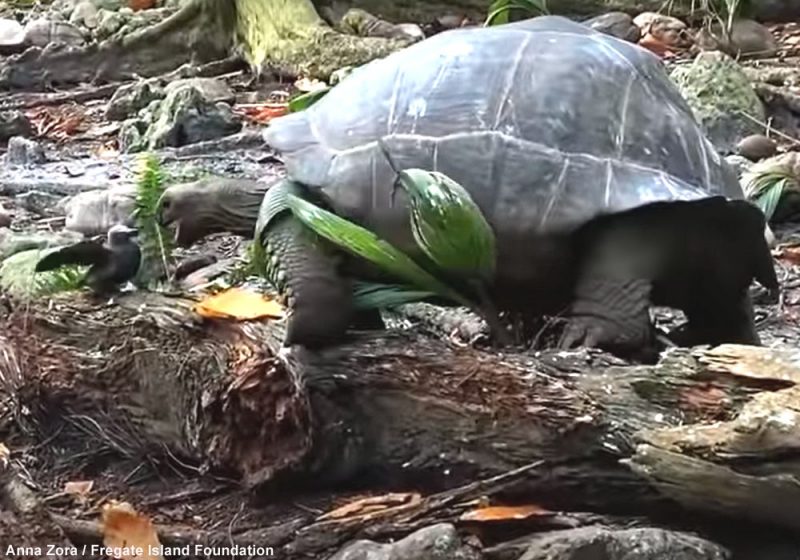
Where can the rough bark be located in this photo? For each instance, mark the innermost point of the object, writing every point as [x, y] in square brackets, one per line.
[403, 409]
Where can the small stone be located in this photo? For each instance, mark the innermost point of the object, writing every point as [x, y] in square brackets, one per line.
[24, 152]
[14, 123]
[757, 147]
[437, 542]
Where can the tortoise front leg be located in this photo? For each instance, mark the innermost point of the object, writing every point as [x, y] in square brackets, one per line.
[306, 272]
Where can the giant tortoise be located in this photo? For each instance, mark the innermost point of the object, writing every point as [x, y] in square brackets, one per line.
[604, 195]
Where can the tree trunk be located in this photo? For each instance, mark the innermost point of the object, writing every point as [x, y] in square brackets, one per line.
[399, 409]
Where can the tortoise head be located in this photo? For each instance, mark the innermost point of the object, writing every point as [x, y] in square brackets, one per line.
[214, 205]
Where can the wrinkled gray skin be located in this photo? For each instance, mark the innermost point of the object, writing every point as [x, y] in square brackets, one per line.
[564, 137]
[212, 205]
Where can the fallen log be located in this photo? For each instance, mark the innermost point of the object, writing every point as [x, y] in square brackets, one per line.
[145, 377]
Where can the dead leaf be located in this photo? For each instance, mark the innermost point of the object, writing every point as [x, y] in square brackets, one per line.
[239, 304]
[78, 488]
[5, 454]
[124, 528]
[505, 513]
[372, 505]
[137, 5]
[262, 113]
[656, 46]
[790, 254]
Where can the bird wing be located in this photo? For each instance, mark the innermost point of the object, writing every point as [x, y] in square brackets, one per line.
[84, 253]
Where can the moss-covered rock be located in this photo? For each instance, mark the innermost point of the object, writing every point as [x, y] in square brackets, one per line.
[721, 97]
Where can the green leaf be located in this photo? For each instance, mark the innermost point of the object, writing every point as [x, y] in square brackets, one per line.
[18, 276]
[376, 296]
[306, 100]
[765, 186]
[500, 10]
[448, 225]
[154, 240]
[365, 244]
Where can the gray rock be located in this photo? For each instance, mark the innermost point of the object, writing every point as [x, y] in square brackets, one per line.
[12, 36]
[12, 242]
[24, 152]
[747, 38]
[108, 23]
[38, 202]
[14, 123]
[42, 32]
[437, 542]
[94, 212]
[185, 117]
[718, 91]
[86, 14]
[5, 217]
[132, 98]
[594, 543]
[212, 90]
[617, 24]
[130, 137]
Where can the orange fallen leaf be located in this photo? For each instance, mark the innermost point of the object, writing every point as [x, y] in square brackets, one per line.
[137, 5]
[262, 113]
[125, 530]
[656, 46]
[505, 513]
[372, 505]
[78, 488]
[239, 304]
[789, 254]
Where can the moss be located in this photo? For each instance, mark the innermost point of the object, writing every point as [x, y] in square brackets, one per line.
[719, 93]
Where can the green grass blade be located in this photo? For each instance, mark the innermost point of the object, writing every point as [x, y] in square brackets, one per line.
[365, 244]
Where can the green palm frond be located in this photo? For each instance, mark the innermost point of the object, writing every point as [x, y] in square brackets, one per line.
[766, 186]
[501, 11]
[18, 276]
[363, 243]
[448, 225]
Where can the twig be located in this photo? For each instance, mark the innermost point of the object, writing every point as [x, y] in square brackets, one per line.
[769, 128]
[63, 97]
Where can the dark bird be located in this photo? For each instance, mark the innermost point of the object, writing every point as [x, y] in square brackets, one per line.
[110, 266]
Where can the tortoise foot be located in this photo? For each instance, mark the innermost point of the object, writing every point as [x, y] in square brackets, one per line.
[611, 314]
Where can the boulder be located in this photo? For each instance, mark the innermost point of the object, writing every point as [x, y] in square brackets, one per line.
[24, 152]
[627, 544]
[212, 90]
[720, 95]
[132, 98]
[12, 36]
[747, 38]
[437, 542]
[617, 24]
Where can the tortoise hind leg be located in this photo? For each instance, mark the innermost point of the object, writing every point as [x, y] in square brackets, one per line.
[612, 313]
[305, 271]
